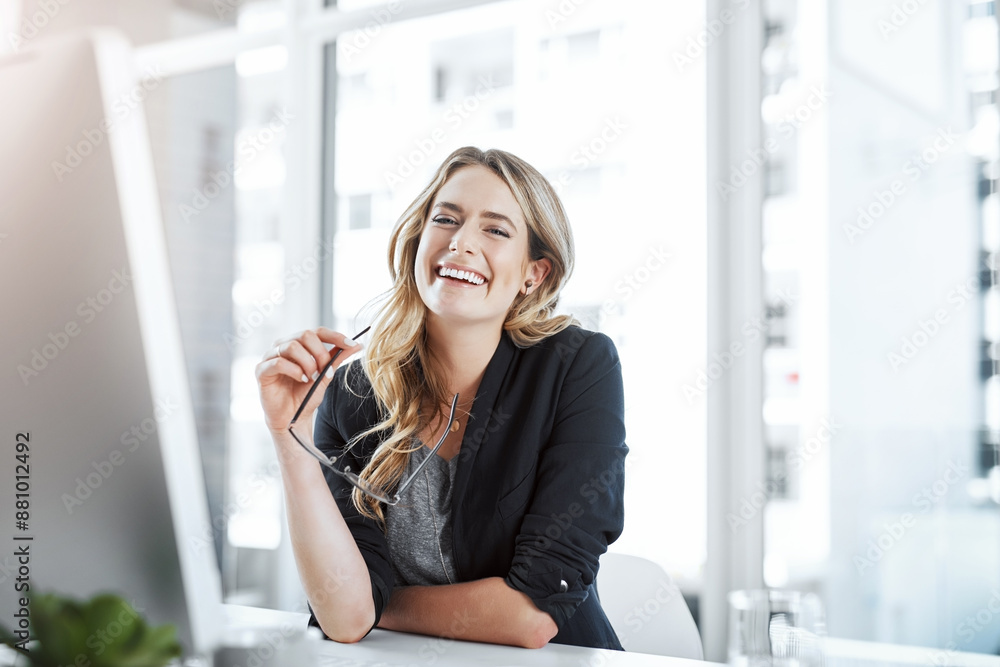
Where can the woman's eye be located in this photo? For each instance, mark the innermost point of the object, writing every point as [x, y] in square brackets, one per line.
[500, 232]
[444, 221]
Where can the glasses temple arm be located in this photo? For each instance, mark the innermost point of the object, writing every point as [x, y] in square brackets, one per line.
[420, 466]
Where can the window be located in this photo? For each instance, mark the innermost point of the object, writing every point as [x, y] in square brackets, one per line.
[568, 94]
[880, 405]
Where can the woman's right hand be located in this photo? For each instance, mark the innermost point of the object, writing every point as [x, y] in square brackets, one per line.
[288, 370]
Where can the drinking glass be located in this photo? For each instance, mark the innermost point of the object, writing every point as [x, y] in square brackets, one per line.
[775, 628]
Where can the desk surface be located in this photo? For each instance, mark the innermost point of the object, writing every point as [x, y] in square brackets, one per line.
[384, 647]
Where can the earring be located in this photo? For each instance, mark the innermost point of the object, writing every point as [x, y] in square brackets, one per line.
[528, 286]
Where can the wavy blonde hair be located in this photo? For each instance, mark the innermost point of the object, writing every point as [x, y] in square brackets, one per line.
[397, 362]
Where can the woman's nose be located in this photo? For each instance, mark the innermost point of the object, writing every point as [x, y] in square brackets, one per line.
[461, 241]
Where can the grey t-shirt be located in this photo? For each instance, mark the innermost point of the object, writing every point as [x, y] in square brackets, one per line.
[418, 529]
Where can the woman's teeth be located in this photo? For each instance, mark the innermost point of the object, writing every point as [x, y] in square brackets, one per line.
[461, 275]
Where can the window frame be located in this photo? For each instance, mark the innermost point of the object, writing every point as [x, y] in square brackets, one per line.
[735, 443]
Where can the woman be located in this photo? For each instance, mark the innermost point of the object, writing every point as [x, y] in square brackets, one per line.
[498, 536]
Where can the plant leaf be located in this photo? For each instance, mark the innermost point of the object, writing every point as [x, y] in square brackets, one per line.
[60, 628]
[158, 647]
[106, 631]
[115, 625]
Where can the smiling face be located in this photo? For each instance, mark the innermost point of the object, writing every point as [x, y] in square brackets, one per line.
[472, 260]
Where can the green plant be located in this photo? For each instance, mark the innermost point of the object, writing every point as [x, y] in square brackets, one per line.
[104, 632]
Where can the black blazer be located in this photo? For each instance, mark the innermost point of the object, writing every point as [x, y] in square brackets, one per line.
[538, 492]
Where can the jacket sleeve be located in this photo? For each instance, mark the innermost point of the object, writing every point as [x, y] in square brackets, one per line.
[578, 508]
[338, 404]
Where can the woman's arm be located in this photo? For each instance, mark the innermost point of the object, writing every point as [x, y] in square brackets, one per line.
[334, 575]
[487, 610]
[333, 571]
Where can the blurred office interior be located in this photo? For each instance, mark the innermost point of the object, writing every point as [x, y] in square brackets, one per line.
[844, 152]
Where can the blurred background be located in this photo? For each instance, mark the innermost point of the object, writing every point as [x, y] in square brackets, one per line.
[786, 217]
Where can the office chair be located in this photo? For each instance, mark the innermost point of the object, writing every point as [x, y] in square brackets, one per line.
[646, 608]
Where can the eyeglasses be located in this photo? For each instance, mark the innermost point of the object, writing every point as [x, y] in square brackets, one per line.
[378, 493]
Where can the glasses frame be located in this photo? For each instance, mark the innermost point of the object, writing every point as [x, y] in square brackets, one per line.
[352, 478]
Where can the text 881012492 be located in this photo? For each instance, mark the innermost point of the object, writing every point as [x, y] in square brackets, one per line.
[22, 547]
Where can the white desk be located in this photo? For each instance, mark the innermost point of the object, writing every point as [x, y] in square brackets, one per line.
[384, 647]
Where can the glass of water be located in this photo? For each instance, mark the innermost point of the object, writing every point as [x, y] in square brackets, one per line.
[773, 628]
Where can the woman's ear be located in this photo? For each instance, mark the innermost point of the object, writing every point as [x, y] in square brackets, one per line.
[540, 268]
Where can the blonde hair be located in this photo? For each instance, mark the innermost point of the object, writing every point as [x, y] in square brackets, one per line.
[397, 359]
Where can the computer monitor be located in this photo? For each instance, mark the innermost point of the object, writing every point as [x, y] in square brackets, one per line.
[101, 487]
